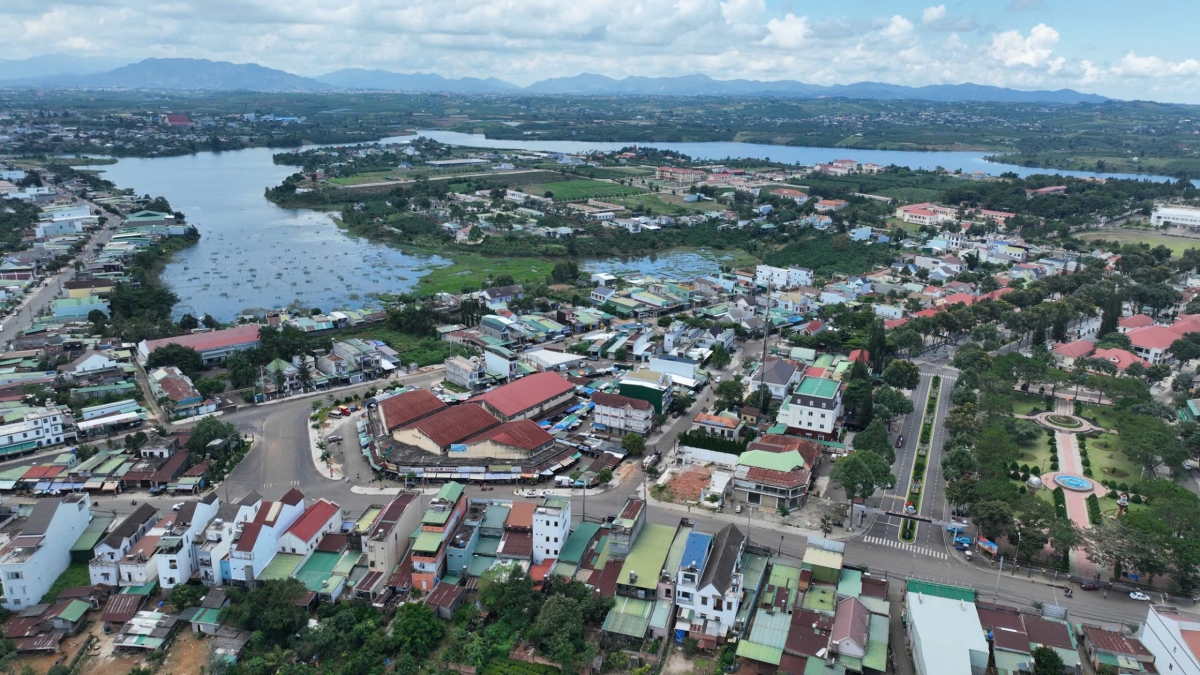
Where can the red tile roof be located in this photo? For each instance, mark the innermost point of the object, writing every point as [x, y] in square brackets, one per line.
[177, 389]
[453, 425]
[1114, 642]
[1123, 359]
[894, 323]
[250, 532]
[217, 339]
[618, 401]
[1153, 337]
[958, 299]
[314, 517]
[523, 434]
[292, 497]
[1074, 350]
[783, 479]
[333, 542]
[1135, 321]
[520, 516]
[406, 408]
[527, 392]
[516, 545]
[860, 356]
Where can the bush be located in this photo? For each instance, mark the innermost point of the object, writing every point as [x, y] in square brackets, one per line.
[1123, 487]
[1054, 466]
[1024, 477]
[1088, 472]
[1093, 507]
[1024, 468]
[1112, 494]
[1014, 467]
[1135, 498]
[1035, 470]
[1014, 475]
[1085, 462]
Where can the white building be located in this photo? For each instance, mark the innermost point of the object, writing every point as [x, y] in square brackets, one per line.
[257, 542]
[1173, 639]
[889, 311]
[799, 276]
[104, 567]
[40, 428]
[621, 414]
[675, 365]
[1182, 216]
[34, 558]
[318, 520]
[708, 582]
[945, 636]
[766, 275]
[387, 537]
[177, 551]
[212, 554]
[551, 527]
[814, 408]
[470, 374]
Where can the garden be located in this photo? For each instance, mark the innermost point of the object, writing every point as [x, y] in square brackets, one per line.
[908, 531]
[1031, 404]
[1064, 421]
[1107, 458]
[1100, 415]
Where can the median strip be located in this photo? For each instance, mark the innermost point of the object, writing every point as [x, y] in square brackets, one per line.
[920, 468]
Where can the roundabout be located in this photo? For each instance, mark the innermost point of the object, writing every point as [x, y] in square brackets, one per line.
[1065, 421]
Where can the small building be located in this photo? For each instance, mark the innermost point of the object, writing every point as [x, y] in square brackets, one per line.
[445, 599]
[1113, 649]
[621, 414]
[40, 549]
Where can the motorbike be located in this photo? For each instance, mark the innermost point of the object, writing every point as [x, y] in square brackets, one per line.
[1069, 593]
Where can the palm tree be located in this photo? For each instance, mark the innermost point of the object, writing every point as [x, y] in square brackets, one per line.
[826, 525]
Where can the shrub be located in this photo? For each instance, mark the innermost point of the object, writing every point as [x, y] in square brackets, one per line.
[1024, 468]
[1021, 490]
[1123, 487]
[1112, 494]
[1014, 475]
[1024, 477]
[1135, 498]
[1035, 470]
[1088, 472]
[1054, 465]
[1013, 467]
[1093, 507]
[1085, 462]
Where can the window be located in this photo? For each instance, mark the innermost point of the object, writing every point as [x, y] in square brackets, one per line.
[717, 604]
[12, 575]
[704, 601]
[684, 595]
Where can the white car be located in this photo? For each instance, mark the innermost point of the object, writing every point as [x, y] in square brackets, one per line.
[1138, 595]
[176, 507]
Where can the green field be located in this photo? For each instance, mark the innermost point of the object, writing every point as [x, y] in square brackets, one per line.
[1109, 461]
[471, 270]
[582, 189]
[1103, 414]
[1037, 454]
[1025, 404]
[1177, 244]
[660, 203]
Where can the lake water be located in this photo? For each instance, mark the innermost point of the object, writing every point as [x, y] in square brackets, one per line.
[255, 255]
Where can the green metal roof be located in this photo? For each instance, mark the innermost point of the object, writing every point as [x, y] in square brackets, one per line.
[495, 516]
[144, 589]
[347, 562]
[753, 567]
[775, 461]
[487, 546]
[877, 643]
[432, 517]
[317, 569]
[784, 575]
[849, 583]
[770, 628]
[480, 564]
[818, 387]
[820, 599]
[207, 615]
[941, 590]
[677, 547]
[563, 568]
[94, 532]
[647, 556]
[576, 544]
[74, 610]
[450, 492]
[630, 616]
[281, 566]
[429, 542]
[762, 653]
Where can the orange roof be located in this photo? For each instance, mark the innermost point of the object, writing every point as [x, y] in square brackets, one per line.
[521, 516]
[958, 298]
[523, 434]
[1153, 337]
[1074, 350]
[408, 407]
[717, 421]
[217, 339]
[517, 397]
[453, 425]
[1135, 321]
[1120, 357]
[860, 356]
[894, 323]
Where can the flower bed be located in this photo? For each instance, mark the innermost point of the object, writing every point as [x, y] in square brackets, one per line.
[1064, 421]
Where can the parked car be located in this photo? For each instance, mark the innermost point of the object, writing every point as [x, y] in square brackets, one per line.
[1089, 586]
[900, 441]
[176, 507]
[1138, 595]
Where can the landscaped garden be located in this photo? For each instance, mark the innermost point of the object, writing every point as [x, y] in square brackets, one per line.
[1031, 404]
[1064, 421]
[1108, 460]
[1102, 415]
[1039, 453]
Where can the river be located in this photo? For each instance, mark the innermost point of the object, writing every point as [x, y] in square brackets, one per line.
[253, 255]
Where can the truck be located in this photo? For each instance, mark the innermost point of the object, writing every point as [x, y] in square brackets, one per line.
[345, 410]
[563, 481]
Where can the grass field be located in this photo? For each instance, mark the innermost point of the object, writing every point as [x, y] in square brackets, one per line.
[1037, 454]
[660, 203]
[76, 574]
[1109, 461]
[582, 189]
[1103, 415]
[1025, 404]
[1177, 244]
[471, 270]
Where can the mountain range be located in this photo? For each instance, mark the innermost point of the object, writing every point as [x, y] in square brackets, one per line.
[205, 75]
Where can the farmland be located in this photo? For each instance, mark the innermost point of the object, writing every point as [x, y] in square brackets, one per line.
[574, 190]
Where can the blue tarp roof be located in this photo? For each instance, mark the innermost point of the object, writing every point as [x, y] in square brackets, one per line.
[696, 550]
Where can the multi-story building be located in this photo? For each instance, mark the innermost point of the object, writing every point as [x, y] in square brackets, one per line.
[470, 374]
[620, 414]
[212, 554]
[551, 527]
[387, 537]
[709, 581]
[814, 409]
[38, 428]
[429, 550]
[1173, 639]
[177, 551]
[108, 554]
[40, 550]
[257, 542]
[363, 358]
[318, 520]
[767, 276]
[799, 276]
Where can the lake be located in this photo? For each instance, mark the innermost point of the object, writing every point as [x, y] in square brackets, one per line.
[253, 255]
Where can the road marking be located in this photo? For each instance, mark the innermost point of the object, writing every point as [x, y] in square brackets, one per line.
[904, 546]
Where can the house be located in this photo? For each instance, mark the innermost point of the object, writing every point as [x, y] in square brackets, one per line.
[777, 375]
[601, 295]
[1173, 638]
[1114, 649]
[1120, 358]
[530, 397]
[501, 295]
[1131, 323]
[620, 414]
[38, 428]
[708, 585]
[1071, 352]
[829, 205]
[1152, 342]
[40, 549]
[104, 567]
[551, 527]
[445, 599]
[180, 395]
[256, 544]
[726, 425]
[776, 481]
[470, 374]
[944, 635]
[212, 551]
[429, 550]
[386, 540]
[767, 276]
[213, 346]
[176, 550]
[321, 518]
[851, 628]
[814, 409]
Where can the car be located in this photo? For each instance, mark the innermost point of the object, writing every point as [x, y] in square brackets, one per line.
[176, 507]
[335, 438]
[1089, 586]
[962, 541]
[531, 493]
[900, 441]
[961, 547]
[1138, 595]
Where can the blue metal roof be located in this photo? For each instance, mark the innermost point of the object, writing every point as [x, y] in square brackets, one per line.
[696, 552]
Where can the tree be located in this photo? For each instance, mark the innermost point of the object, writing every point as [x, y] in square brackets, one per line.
[890, 404]
[633, 444]
[877, 347]
[1046, 661]
[185, 359]
[859, 401]
[860, 474]
[994, 519]
[559, 629]
[1149, 442]
[958, 463]
[271, 609]
[417, 629]
[874, 438]
[730, 394]
[186, 595]
[209, 386]
[961, 491]
[209, 322]
[605, 476]
[1111, 315]
[208, 430]
[188, 322]
[902, 374]
[720, 357]
[620, 354]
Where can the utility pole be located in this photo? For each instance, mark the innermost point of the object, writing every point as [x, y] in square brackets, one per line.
[762, 366]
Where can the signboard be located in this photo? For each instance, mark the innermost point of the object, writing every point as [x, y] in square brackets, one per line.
[458, 447]
[987, 545]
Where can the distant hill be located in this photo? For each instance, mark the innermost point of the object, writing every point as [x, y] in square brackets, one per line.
[702, 85]
[188, 74]
[357, 78]
[50, 65]
[202, 74]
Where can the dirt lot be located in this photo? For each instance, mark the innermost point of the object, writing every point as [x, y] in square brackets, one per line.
[687, 486]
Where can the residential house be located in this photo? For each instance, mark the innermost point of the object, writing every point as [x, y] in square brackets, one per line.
[170, 385]
[620, 414]
[814, 409]
[40, 550]
[177, 553]
[772, 480]
[944, 635]
[212, 552]
[501, 295]
[777, 375]
[551, 527]
[429, 550]
[104, 568]
[708, 585]
[468, 373]
[319, 519]
[1173, 638]
[1114, 649]
[38, 428]
[387, 538]
[726, 425]
[257, 542]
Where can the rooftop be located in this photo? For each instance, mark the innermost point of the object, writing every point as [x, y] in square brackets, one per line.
[516, 397]
[818, 387]
[647, 556]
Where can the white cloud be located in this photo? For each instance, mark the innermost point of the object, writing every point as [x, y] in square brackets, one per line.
[1132, 65]
[937, 18]
[1014, 49]
[898, 26]
[743, 11]
[790, 32]
[933, 14]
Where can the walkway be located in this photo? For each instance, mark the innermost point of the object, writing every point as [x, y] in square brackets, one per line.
[1071, 462]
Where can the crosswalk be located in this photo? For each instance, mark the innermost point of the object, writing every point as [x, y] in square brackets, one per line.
[911, 548]
[281, 484]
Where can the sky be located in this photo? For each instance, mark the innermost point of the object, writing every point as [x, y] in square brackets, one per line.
[1130, 50]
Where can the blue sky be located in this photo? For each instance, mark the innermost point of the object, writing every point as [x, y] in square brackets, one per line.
[1145, 49]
